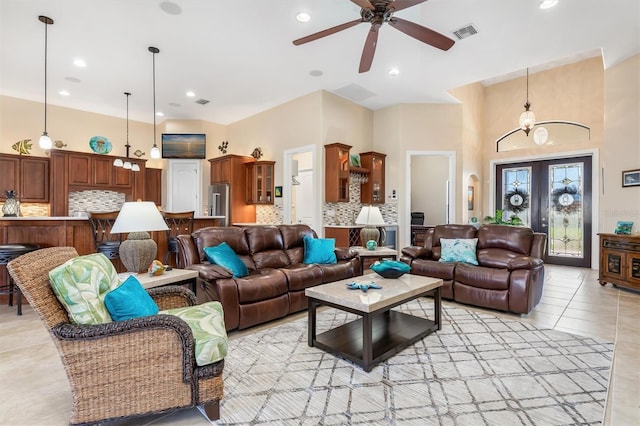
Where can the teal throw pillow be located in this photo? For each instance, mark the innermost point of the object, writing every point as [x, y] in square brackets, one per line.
[459, 250]
[319, 250]
[130, 300]
[223, 255]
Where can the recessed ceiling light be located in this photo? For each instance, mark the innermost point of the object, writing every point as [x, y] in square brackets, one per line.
[548, 4]
[394, 71]
[64, 93]
[159, 114]
[79, 63]
[303, 17]
[315, 73]
[190, 94]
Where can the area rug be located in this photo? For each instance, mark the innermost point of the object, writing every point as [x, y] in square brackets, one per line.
[480, 369]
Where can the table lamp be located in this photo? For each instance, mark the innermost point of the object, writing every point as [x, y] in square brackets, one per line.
[370, 217]
[138, 218]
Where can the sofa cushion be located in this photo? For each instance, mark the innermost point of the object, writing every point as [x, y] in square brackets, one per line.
[480, 277]
[301, 276]
[129, 300]
[459, 250]
[224, 256]
[261, 284]
[319, 250]
[206, 322]
[81, 284]
[292, 238]
[433, 268]
[266, 247]
[517, 239]
[449, 231]
[233, 236]
[337, 271]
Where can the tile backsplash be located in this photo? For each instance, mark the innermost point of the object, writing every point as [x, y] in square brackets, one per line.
[95, 201]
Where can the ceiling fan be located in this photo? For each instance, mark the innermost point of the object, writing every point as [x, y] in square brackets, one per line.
[377, 12]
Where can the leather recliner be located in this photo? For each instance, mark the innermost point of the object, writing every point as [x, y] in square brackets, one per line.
[510, 271]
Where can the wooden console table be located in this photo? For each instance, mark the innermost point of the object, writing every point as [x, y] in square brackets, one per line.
[620, 260]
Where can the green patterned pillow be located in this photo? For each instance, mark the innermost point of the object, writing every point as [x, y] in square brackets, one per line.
[81, 284]
[207, 324]
[459, 250]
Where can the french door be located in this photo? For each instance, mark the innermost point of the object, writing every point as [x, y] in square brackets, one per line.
[554, 197]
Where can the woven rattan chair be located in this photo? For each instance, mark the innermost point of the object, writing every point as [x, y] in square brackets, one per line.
[178, 223]
[122, 369]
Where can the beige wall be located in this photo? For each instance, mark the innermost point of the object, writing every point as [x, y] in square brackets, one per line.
[621, 144]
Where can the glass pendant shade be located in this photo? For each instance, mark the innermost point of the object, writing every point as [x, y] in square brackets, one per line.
[135, 167]
[155, 152]
[127, 165]
[527, 120]
[118, 162]
[45, 141]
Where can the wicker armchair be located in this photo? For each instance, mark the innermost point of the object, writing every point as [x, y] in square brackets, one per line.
[122, 369]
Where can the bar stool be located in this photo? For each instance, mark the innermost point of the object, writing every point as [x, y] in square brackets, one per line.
[178, 223]
[105, 242]
[8, 252]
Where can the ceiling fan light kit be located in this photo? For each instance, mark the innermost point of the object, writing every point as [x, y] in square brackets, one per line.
[377, 13]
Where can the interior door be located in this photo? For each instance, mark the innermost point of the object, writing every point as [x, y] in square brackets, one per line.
[554, 197]
[304, 198]
[184, 186]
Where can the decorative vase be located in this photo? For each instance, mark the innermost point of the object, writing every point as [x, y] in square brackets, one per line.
[372, 244]
[11, 207]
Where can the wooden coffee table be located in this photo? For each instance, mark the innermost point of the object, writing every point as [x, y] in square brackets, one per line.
[381, 332]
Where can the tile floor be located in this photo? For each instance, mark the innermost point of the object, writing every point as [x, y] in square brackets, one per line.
[34, 388]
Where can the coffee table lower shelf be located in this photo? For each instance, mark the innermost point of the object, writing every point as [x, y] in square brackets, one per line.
[391, 332]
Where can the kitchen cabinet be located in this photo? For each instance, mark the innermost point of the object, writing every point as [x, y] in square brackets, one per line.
[259, 182]
[28, 176]
[231, 169]
[620, 260]
[77, 171]
[153, 185]
[372, 191]
[336, 173]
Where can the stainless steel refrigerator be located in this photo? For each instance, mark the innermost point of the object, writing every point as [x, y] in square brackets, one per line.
[219, 202]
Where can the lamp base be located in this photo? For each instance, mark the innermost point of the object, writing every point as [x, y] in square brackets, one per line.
[369, 233]
[138, 251]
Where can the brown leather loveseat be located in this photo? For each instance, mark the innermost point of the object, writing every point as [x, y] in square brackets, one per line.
[510, 270]
[277, 276]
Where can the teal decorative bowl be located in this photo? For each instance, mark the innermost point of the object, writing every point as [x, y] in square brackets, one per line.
[390, 268]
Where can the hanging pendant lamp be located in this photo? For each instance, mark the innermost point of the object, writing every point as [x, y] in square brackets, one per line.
[45, 140]
[155, 151]
[527, 118]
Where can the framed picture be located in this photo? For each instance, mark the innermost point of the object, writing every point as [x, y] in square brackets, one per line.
[470, 198]
[631, 178]
[354, 160]
[624, 228]
[278, 190]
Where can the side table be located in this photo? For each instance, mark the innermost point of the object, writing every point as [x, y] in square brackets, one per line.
[372, 255]
[172, 277]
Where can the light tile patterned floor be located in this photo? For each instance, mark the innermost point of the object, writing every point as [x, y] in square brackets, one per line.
[35, 391]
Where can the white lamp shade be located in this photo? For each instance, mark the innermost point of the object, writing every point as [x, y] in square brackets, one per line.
[45, 141]
[155, 152]
[118, 162]
[138, 216]
[135, 167]
[370, 215]
[127, 165]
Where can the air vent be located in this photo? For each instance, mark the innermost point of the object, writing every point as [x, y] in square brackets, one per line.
[465, 32]
[202, 101]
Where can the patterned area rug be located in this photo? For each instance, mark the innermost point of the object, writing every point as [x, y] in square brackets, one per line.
[478, 370]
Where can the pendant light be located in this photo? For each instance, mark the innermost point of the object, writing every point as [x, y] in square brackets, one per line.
[155, 151]
[118, 161]
[527, 118]
[45, 140]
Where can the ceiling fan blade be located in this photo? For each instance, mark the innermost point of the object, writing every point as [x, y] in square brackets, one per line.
[369, 49]
[326, 32]
[365, 4]
[402, 4]
[421, 33]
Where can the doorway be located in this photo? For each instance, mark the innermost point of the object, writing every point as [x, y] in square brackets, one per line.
[300, 201]
[554, 197]
[184, 186]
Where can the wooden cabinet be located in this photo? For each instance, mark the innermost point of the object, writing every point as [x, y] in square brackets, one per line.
[76, 171]
[153, 185]
[259, 182]
[28, 176]
[372, 191]
[620, 260]
[231, 169]
[336, 173]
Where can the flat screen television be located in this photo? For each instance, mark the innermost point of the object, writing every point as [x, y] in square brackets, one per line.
[184, 145]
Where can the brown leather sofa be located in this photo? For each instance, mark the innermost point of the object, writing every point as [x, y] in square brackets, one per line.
[510, 270]
[277, 277]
